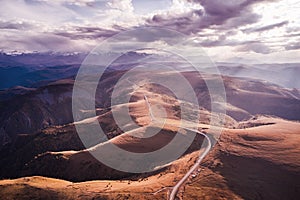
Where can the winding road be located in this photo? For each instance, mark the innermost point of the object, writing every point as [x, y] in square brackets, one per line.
[175, 189]
[195, 166]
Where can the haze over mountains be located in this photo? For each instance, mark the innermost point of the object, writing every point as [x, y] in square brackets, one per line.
[35, 69]
[273, 73]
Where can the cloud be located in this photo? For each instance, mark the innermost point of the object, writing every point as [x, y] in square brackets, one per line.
[87, 32]
[71, 2]
[70, 22]
[266, 28]
[214, 13]
[148, 34]
[227, 38]
[123, 5]
[41, 42]
[248, 17]
[292, 46]
[18, 25]
[256, 47]
[223, 27]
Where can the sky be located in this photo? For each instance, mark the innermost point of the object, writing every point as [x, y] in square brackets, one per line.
[245, 31]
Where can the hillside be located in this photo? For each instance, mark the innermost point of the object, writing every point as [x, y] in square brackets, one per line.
[51, 105]
[257, 162]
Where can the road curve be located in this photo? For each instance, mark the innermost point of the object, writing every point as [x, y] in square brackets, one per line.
[201, 156]
[195, 166]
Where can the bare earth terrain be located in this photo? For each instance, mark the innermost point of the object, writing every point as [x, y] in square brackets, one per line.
[252, 163]
[256, 157]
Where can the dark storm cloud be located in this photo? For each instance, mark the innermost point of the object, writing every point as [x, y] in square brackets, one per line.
[266, 28]
[229, 14]
[185, 23]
